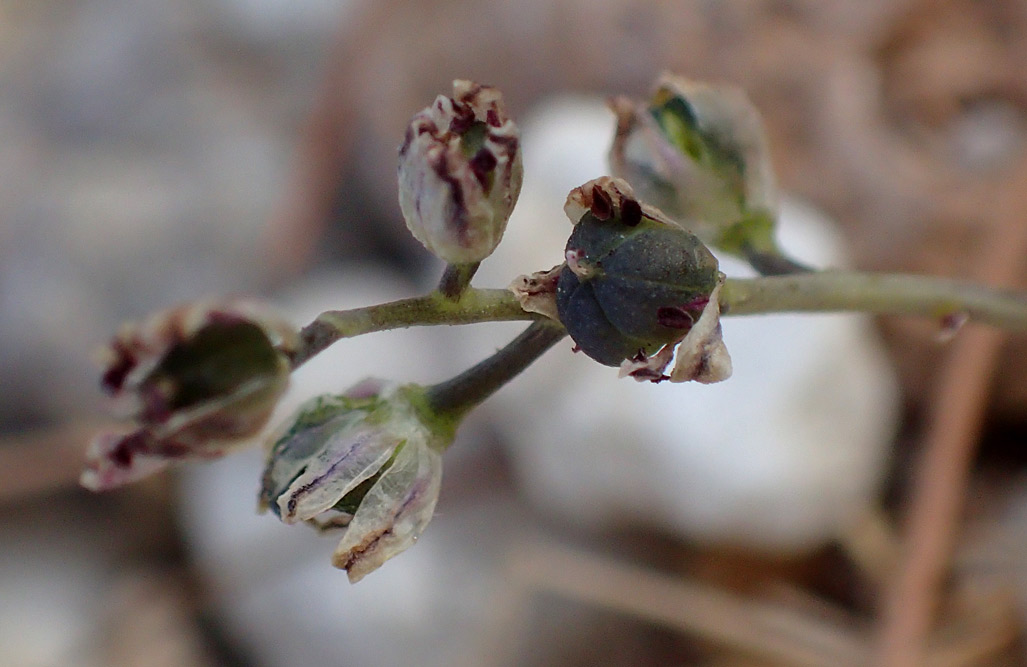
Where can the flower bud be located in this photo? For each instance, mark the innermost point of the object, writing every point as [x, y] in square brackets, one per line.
[196, 379]
[699, 153]
[369, 461]
[460, 173]
[635, 283]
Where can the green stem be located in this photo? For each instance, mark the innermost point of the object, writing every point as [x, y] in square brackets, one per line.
[456, 278]
[803, 292]
[875, 293]
[474, 305]
[460, 394]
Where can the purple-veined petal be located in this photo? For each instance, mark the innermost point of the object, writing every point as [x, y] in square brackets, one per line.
[394, 512]
[347, 458]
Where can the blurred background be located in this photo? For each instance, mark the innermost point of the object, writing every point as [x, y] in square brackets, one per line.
[855, 495]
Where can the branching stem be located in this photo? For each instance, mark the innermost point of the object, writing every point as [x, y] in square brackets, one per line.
[462, 393]
[824, 291]
[474, 305]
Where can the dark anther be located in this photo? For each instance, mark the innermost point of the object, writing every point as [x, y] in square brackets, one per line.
[630, 212]
[602, 204]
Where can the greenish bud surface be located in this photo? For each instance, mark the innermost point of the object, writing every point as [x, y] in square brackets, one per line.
[633, 282]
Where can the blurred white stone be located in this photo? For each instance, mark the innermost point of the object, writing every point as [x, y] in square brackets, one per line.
[782, 456]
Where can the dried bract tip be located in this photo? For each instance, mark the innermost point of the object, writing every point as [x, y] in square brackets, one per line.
[368, 463]
[460, 173]
[605, 198]
[701, 355]
[536, 292]
[196, 379]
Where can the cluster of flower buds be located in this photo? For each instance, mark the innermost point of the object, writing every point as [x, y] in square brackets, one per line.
[369, 461]
[197, 380]
[637, 291]
[460, 173]
[636, 284]
[699, 153]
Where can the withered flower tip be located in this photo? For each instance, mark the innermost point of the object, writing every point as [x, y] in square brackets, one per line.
[460, 173]
[196, 380]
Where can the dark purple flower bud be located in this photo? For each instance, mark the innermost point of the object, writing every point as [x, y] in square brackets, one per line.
[635, 285]
[460, 173]
[196, 379]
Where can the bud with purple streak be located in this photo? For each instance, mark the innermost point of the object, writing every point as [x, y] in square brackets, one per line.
[368, 461]
[460, 173]
[197, 380]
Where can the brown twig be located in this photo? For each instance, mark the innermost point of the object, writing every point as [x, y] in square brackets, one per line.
[949, 446]
[775, 633]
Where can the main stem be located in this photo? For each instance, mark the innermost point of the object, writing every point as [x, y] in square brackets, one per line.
[460, 394]
[875, 293]
[802, 292]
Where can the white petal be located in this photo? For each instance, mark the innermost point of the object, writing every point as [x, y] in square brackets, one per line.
[394, 512]
[346, 460]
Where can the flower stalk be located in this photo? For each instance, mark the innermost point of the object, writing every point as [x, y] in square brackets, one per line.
[457, 278]
[459, 395]
[473, 305]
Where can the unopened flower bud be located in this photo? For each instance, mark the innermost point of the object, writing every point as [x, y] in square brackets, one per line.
[196, 379]
[635, 283]
[369, 461]
[460, 173]
[699, 153]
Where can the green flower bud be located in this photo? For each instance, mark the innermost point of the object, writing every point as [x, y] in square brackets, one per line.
[460, 173]
[635, 283]
[197, 380]
[369, 461]
[699, 153]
